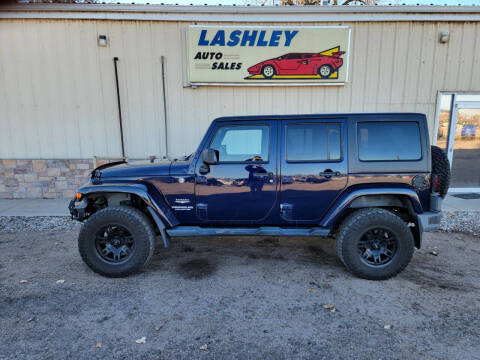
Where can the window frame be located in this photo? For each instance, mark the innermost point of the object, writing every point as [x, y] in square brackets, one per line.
[357, 128]
[243, 125]
[339, 124]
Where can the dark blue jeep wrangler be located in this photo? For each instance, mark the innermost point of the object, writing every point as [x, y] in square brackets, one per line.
[372, 181]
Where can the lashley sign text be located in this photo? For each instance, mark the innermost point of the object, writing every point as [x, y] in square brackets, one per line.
[247, 38]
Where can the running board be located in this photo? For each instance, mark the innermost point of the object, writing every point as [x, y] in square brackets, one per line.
[260, 231]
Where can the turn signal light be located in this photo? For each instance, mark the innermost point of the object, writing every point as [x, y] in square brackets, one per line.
[78, 196]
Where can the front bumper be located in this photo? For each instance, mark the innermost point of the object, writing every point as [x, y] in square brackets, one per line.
[254, 70]
[78, 209]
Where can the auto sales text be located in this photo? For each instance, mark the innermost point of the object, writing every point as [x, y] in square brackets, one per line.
[205, 55]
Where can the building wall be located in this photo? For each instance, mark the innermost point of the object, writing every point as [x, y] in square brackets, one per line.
[46, 179]
[58, 95]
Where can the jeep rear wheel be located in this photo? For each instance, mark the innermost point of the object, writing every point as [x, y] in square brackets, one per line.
[117, 241]
[374, 244]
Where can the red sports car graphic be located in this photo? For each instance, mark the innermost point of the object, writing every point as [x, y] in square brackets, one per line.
[306, 65]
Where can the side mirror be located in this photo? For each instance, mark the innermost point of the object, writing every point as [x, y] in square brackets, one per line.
[210, 156]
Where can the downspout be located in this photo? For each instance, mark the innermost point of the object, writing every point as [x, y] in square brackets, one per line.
[162, 58]
[115, 59]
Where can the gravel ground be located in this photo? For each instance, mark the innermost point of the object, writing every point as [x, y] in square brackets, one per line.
[461, 221]
[12, 224]
[235, 298]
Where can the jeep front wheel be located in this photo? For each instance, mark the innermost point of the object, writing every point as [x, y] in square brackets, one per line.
[117, 241]
[374, 244]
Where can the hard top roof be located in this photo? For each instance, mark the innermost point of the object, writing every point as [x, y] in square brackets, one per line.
[373, 116]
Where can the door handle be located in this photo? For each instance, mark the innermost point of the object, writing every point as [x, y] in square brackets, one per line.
[204, 169]
[260, 175]
[263, 175]
[329, 173]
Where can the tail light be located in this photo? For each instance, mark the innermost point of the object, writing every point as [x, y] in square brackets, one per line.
[435, 183]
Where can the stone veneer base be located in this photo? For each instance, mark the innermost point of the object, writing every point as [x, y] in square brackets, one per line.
[42, 179]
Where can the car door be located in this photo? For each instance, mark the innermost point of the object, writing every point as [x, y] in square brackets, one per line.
[313, 167]
[306, 65]
[290, 64]
[242, 186]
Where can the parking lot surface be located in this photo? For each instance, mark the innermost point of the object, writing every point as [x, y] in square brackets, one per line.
[237, 298]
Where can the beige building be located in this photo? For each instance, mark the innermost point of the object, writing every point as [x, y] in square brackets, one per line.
[58, 94]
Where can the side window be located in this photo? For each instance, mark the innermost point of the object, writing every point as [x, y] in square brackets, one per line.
[239, 143]
[306, 56]
[388, 141]
[294, 56]
[313, 142]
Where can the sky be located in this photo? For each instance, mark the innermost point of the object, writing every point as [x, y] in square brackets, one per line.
[269, 2]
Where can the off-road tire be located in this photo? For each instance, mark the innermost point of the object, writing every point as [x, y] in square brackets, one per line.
[353, 228]
[135, 222]
[441, 167]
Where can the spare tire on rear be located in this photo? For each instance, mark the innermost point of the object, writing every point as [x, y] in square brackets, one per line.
[441, 168]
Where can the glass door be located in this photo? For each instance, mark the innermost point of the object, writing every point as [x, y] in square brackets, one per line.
[444, 117]
[458, 134]
[464, 149]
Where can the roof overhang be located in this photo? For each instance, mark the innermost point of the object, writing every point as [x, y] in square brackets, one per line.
[272, 14]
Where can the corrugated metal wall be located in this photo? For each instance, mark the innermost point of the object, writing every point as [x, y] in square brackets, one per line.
[58, 97]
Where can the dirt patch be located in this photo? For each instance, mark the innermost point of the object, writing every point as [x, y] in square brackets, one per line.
[196, 269]
[433, 281]
[318, 252]
[187, 248]
[268, 242]
[264, 255]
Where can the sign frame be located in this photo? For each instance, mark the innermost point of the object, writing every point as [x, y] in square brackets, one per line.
[194, 84]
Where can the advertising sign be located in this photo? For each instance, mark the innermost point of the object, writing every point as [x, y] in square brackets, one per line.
[268, 54]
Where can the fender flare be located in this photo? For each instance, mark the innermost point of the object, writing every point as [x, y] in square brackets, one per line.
[342, 203]
[152, 198]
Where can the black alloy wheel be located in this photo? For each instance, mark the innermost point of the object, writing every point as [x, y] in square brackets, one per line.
[377, 247]
[114, 244]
